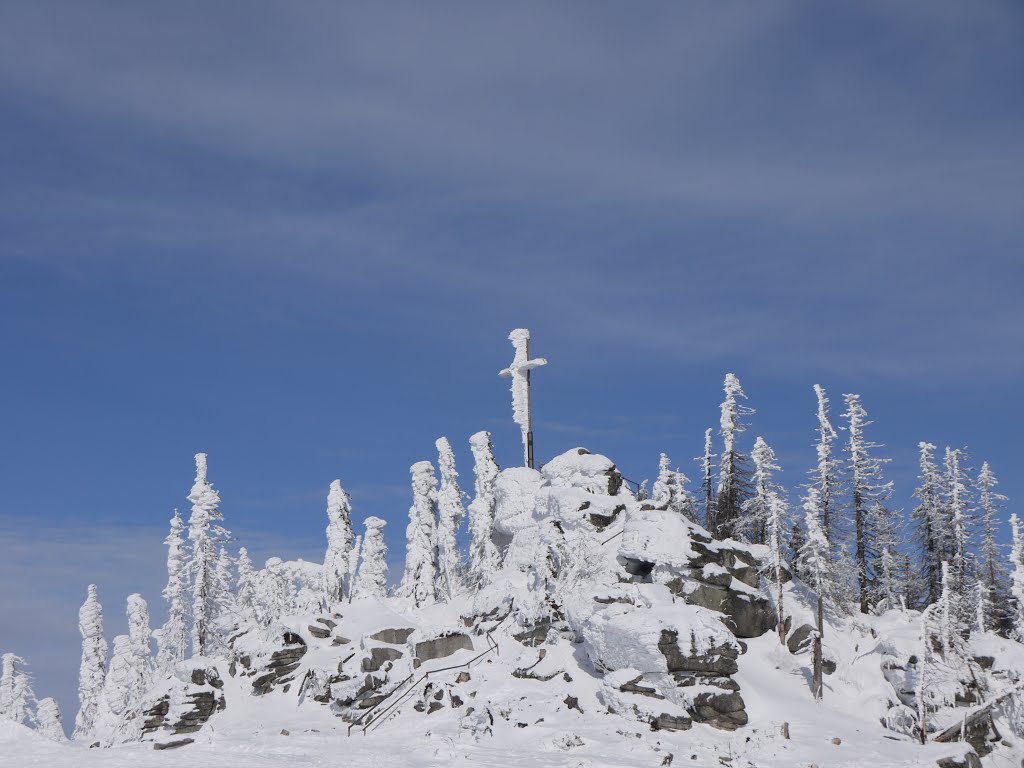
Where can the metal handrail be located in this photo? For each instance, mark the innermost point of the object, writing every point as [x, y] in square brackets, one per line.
[377, 715]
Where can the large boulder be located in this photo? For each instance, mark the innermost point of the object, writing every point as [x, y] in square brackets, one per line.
[748, 614]
[441, 647]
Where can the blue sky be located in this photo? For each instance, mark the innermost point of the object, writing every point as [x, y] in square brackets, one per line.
[296, 237]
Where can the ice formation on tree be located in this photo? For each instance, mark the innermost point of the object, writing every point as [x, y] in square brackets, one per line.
[730, 475]
[420, 578]
[172, 638]
[484, 558]
[204, 533]
[15, 689]
[992, 574]
[519, 371]
[117, 715]
[824, 475]
[93, 669]
[353, 564]
[246, 585]
[956, 512]
[372, 578]
[929, 519]
[869, 494]
[670, 488]
[1017, 576]
[48, 720]
[451, 511]
[339, 543]
[140, 635]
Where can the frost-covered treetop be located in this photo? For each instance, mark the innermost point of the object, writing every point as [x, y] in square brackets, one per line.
[373, 523]
[200, 468]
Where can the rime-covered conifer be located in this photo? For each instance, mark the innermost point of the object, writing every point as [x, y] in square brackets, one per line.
[16, 697]
[140, 635]
[930, 525]
[957, 510]
[48, 720]
[815, 563]
[451, 511]
[420, 578]
[484, 558]
[765, 517]
[670, 489]
[870, 493]
[707, 485]
[205, 533]
[991, 573]
[93, 669]
[1017, 579]
[339, 543]
[245, 588]
[353, 564]
[372, 578]
[172, 638]
[733, 475]
[825, 475]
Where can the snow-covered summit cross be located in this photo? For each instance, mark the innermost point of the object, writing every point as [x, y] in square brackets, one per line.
[519, 370]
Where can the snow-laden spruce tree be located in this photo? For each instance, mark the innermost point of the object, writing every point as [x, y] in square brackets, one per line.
[273, 594]
[1017, 579]
[939, 671]
[484, 557]
[451, 511]
[93, 669]
[372, 578]
[140, 635]
[765, 517]
[825, 475]
[991, 573]
[339, 544]
[707, 484]
[117, 716]
[48, 720]
[757, 509]
[815, 558]
[16, 697]
[930, 524]
[420, 578]
[869, 493]
[245, 586]
[172, 638]
[733, 474]
[957, 503]
[670, 489]
[353, 564]
[205, 533]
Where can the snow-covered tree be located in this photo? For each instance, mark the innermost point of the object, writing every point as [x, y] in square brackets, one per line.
[815, 562]
[353, 564]
[765, 518]
[870, 493]
[824, 476]
[420, 578]
[929, 521]
[957, 510]
[48, 720]
[991, 574]
[140, 635]
[733, 475]
[93, 669]
[245, 588]
[339, 543]
[172, 638]
[670, 489]
[372, 578]
[16, 695]
[484, 558]
[205, 533]
[274, 592]
[758, 508]
[117, 717]
[939, 669]
[797, 539]
[1017, 579]
[707, 485]
[451, 511]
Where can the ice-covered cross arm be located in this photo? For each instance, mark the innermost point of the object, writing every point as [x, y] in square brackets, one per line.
[519, 370]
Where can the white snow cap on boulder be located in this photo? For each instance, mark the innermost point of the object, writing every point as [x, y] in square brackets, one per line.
[579, 468]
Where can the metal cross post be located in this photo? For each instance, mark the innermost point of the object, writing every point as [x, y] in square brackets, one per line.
[519, 371]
